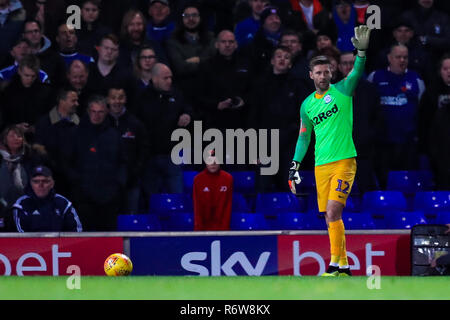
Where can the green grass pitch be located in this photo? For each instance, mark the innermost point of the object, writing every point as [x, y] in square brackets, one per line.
[224, 288]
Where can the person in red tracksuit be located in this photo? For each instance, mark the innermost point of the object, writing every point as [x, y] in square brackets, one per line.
[212, 196]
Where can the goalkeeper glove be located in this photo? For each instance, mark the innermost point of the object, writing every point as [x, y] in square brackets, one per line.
[294, 176]
[361, 39]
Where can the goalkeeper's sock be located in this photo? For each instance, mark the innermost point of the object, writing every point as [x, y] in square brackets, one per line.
[343, 261]
[336, 234]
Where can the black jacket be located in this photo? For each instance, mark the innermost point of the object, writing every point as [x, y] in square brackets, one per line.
[120, 76]
[89, 36]
[53, 213]
[98, 168]
[20, 104]
[435, 97]
[259, 52]
[135, 141]
[221, 79]
[433, 24]
[57, 135]
[160, 111]
[368, 121]
[439, 145]
[276, 104]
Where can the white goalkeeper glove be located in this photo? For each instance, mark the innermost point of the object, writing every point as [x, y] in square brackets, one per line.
[294, 176]
[361, 39]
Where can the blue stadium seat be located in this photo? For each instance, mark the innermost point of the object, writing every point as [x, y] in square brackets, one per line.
[410, 181]
[177, 221]
[353, 204]
[379, 202]
[314, 221]
[239, 203]
[308, 183]
[170, 202]
[248, 221]
[290, 221]
[278, 202]
[405, 219]
[379, 221]
[443, 217]
[243, 181]
[188, 180]
[432, 201]
[358, 221]
[138, 222]
[311, 201]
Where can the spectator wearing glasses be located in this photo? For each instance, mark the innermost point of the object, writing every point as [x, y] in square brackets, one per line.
[48, 12]
[41, 46]
[145, 61]
[42, 209]
[190, 44]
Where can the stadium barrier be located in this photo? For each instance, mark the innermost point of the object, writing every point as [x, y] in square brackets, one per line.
[227, 253]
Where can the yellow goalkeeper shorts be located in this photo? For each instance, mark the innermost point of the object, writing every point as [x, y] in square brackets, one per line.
[334, 181]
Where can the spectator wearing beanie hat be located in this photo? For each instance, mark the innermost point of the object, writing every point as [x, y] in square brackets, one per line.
[266, 39]
[324, 39]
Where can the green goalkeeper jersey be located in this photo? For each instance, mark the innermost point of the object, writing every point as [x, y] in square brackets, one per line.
[331, 117]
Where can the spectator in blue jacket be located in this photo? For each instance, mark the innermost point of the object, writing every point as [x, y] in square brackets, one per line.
[266, 39]
[67, 41]
[42, 209]
[12, 17]
[19, 51]
[160, 25]
[344, 16]
[400, 90]
[246, 29]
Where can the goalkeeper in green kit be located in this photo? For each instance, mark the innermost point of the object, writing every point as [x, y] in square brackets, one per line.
[329, 111]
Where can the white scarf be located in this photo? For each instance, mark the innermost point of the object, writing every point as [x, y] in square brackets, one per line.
[14, 166]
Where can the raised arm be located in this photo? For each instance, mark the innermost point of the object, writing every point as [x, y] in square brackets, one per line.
[361, 42]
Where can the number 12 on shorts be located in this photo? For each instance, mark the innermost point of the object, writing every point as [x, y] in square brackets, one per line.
[339, 188]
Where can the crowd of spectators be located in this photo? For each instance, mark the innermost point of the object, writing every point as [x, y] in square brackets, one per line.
[97, 104]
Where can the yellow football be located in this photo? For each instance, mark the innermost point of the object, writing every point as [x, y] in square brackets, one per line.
[118, 264]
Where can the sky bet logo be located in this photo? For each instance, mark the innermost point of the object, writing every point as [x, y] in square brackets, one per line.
[221, 264]
[325, 115]
[205, 256]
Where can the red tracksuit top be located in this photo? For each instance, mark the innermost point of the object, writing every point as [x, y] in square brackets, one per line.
[212, 197]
